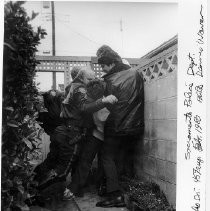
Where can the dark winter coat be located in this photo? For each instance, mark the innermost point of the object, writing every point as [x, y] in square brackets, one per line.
[127, 115]
[51, 119]
[76, 109]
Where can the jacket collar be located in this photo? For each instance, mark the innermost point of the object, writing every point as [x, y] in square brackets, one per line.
[117, 68]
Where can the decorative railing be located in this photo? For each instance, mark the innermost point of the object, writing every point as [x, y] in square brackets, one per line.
[156, 64]
[159, 66]
[66, 63]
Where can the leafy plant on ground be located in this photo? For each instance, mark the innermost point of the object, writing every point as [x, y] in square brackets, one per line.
[147, 195]
[20, 131]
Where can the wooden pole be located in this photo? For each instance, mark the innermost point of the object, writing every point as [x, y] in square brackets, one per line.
[53, 41]
[121, 29]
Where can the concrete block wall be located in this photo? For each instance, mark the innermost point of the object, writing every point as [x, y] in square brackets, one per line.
[156, 154]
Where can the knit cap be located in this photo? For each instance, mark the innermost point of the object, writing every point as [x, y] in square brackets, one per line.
[106, 54]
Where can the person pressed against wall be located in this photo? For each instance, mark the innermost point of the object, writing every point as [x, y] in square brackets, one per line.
[76, 113]
[95, 91]
[125, 122]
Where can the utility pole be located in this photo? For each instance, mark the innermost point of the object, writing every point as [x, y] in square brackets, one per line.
[53, 42]
[121, 29]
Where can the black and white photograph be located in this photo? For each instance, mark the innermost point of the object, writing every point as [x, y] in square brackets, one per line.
[89, 106]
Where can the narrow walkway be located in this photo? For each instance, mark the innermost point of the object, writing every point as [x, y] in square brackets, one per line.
[53, 195]
[86, 203]
[58, 206]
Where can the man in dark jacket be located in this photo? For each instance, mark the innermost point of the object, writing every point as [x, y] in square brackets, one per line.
[51, 119]
[126, 120]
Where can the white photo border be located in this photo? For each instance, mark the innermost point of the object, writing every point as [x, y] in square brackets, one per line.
[192, 110]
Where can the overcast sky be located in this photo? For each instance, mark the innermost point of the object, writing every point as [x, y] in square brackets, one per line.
[131, 29]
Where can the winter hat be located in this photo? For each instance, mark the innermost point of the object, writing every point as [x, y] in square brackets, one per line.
[107, 56]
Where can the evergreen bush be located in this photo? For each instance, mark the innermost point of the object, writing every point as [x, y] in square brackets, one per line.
[20, 131]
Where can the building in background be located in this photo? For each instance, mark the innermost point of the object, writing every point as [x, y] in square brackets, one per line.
[82, 27]
[63, 65]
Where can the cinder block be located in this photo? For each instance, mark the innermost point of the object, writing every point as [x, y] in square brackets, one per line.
[167, 87]
[171, 151]
[171, 193]
[153, 129]
[147, 129]
[148, 110]
[158, 110]
[150, 92]
[160, 166]
[152, 148]
[146, 147]
[171, 172]
[164, 129]
[160, 151]
[171, 108]
[150, 166]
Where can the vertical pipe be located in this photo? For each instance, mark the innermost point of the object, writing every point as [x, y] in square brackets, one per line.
[53, 41]
[121, 29]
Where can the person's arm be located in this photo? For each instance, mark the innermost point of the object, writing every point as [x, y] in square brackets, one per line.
[91, 107]
[84, 105]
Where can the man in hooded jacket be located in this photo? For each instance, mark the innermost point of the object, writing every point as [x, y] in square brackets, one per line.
[126, 120]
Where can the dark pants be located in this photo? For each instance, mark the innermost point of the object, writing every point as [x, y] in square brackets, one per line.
[100, 176]
[89, 151]
[117, 154]
[61, 152]
[49, 124]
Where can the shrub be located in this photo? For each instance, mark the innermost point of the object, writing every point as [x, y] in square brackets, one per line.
[20, 131]
[145, 195]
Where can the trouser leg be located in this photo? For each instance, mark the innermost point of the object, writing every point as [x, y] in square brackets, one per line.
[90, 148]
[109, 151]
[66, 152]
[49, 163]
[130, 145]
[128, 158]
[119, 159]
[100, 178]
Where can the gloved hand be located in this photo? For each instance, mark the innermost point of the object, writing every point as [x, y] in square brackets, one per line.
[110, 99]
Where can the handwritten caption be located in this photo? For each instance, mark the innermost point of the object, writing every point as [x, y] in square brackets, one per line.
[193, 97]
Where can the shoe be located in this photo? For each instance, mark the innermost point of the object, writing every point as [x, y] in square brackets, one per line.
[51, 178]
[117, 201]
[76, 190]
[68, 195]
